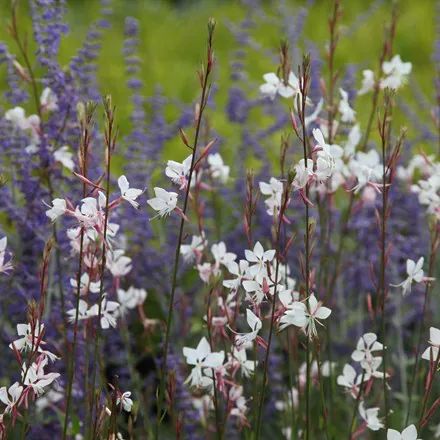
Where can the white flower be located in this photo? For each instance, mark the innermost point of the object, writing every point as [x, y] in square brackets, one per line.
[36, 377]
[193, 251]
[83, 312]
[18, 118]
[131, 298]
[306, 318]
[274, 85]
[127, 193]
[117, 263]
[351, 380]
[431, 353]
[239, 357]
[217, 168]
[125, 401]
[221, 256]
[274, 191]
[429, 193]
[164, 203]
[29, 337]
[109, 313]
[58, 209]
[409, 433]
[366, 168]
[347, 113]
[396, 72]
[260, 257]
[370, 416]
[240, 270]
[255, 324]
[178, 172]
[85, 285]
[365, 347]
[303, 173]
[415, 274]
[367, 82]
[14, 392]
[65, 157]
[236, 397]
[48, 100]
[201, 357]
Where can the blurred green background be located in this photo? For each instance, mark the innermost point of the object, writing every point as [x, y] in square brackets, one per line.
[173, 40]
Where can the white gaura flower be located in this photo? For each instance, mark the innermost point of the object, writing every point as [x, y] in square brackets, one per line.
[83, 312]
[415, 274]
[125, 401]
[302, 173]
[365, 347]
[240, 408]
[366, 168]
[254, 291]
[367, 82]
[396, 71]
[370, 416]
[201, 357]
[217, 168]
[10, 396]
[239, 358]
[429, 193]
[350, 380]
[5, 266]
[65, 157]
[117, 263]
[240, 271]
[274, 85]
[164, 203]
[254, 322]
[131, 298]
[431, 353]
[36, 378]
[85, 285]
[347, 113]
[409, 433]
[305, 317]
[109, 313]
[178, 172]
[260, 258]
[221, 255]
[193, 251]
[59, 207]
[127, 193]
[274, 191]
[49, 100]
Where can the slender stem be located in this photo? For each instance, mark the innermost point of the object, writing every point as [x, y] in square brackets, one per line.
[85, 140]
[356, 406]
[203, 101]
[110, 138]
[219, 430]
[283, 207]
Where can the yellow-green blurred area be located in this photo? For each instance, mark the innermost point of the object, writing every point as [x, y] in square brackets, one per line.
[173, 34]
